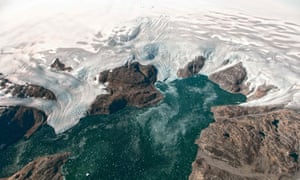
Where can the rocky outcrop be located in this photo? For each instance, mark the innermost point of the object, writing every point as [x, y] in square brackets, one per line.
[261, 91]
[231, 79]
[129, 85]
[249, 143]
[27, 90]
[17, 122]
[43, 168]
[60, 66]
[192, 68]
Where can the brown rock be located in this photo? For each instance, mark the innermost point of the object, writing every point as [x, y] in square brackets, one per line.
[231, 79]
[43, 168]
[192, 68]
[28, 90]
[60, 66]
[18, 121]
[261, 92]
[204, 171]
[132, 84]
[249, 143]
[33, 91]
[105, 104]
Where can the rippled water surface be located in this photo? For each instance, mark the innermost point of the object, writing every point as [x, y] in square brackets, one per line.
[92, 36]
[150, 143]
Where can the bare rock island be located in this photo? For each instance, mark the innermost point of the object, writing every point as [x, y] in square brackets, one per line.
[129, 85]
[249, 143]
[17, 122]
[43, 168]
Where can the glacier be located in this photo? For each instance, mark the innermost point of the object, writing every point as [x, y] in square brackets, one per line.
[167, 34]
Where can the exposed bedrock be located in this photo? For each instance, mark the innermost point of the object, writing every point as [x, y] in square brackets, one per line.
[192, 68]
[249, 143]
[17, 122]
[129, 85]
[27, 90]
[261, 91]
[43, 168]
[231, 79]
[58, 65]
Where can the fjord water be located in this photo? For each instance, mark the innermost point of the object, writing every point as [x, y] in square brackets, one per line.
[150, 143]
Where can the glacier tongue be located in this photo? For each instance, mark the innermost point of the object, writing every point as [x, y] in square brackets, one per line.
[98, 40]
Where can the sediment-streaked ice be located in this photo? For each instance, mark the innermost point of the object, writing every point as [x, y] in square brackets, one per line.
[102, 35]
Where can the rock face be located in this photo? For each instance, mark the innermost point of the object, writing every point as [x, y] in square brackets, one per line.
[261, 92]
[43, 168]
[19, 121]
[249, 143]
[192, 68]
[23, 91]
[231, 79]
[60, 66]
[132, 85]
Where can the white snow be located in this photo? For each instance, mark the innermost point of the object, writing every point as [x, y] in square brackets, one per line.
[92, 36]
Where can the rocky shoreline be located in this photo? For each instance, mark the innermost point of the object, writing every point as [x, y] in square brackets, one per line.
[42, 168]
[128, 85]
[22, 121]
[192, 68]
[249, 143]
[244, 143]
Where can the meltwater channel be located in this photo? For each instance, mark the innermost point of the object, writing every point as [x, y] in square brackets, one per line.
[150, 143]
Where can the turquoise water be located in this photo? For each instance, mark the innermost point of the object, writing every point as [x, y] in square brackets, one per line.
[149, 143]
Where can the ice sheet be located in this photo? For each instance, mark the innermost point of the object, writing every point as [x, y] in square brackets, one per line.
[92, 36]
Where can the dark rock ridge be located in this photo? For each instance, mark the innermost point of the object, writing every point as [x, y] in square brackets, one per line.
[43, 168]
[129, 85]
[231, 79]
[60, 66]
[23, 91]
[192, 68]
[249, 143]
[17, 122]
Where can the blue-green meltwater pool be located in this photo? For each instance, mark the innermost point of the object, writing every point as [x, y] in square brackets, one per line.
[135, 144]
